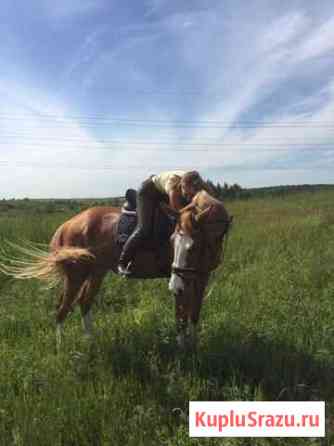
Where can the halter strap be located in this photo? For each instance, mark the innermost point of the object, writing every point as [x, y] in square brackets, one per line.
[177, 270]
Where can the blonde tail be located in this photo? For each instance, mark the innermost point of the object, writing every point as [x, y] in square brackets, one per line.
[41, 264]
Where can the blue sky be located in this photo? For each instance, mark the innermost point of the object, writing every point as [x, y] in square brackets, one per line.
[98, 94]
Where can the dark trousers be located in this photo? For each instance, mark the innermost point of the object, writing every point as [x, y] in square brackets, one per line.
[148, 200]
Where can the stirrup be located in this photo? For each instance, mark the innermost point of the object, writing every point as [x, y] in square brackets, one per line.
[124, 271]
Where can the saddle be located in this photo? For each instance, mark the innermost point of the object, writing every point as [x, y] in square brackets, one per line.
[163, 226]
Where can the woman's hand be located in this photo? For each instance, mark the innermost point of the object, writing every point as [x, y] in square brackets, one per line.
[168, 210]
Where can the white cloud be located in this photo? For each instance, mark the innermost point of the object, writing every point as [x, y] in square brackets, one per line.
[248, 73]
[285, 136]
[87, 52]
[233, 64]
[282, 31]
[319, 43]
[44, 156]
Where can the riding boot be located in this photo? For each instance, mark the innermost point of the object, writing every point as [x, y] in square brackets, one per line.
[128, 253]
[147, 201]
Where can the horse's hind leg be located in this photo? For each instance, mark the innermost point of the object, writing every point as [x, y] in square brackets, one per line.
[72, 284]
[88, 291]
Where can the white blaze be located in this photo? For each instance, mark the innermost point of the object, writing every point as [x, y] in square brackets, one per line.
[182, 244]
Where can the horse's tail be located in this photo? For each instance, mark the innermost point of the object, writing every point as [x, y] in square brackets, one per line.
[36, 263]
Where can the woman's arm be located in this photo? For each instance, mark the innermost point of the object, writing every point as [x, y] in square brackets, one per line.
[175, 199]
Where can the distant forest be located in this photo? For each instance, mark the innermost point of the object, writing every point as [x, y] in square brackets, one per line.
[224, 192]
[235, 191]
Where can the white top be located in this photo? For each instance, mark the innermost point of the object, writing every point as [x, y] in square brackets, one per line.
[166, 181]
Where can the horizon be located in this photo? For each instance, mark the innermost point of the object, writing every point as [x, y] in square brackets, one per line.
[318, 185]
[98, 96]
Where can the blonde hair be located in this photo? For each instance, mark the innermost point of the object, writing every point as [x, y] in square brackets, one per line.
[194, 178]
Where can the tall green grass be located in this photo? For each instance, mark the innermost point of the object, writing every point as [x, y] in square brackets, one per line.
[266, 334]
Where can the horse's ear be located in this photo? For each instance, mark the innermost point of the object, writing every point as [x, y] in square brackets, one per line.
[201, 216]
[169, 211]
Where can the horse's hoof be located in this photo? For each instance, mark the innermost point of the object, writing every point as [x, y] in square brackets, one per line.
[180, 341]
[88, 336]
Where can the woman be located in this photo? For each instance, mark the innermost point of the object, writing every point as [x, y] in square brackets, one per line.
[176, 187]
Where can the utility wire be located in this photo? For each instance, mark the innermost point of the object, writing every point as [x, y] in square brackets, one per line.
[118, 169]
[179, 148]
[101, 119]
[196, 142]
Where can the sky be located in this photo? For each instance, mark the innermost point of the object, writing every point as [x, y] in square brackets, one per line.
[96, 95]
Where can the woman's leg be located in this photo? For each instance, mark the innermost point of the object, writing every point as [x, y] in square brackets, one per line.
[146, 204]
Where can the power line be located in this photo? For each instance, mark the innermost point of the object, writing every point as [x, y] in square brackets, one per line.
[179, 148]
[153, 168]
[70, 167]
[118, 118]
[69, 126]
[101, 119]
[41, 140]
[210, 141]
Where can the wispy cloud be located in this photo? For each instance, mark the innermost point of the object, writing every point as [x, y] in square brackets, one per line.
[154, 6]
[86, 53]
[319, 43]
[170, 61]
[42, 151]
[61, 9]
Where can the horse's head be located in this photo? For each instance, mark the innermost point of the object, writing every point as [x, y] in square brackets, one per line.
[188, 239]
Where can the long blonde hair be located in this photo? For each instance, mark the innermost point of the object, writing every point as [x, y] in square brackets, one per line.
[194, 178]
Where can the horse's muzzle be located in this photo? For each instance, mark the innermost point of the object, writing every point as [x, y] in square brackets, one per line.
[176, 284]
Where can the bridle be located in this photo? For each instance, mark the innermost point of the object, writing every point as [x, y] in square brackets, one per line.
[185, 273]
[188, 273]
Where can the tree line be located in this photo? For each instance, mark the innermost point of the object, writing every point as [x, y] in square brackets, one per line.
[235, 191]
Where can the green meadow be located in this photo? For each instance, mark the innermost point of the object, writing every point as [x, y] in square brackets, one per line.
[266, 333]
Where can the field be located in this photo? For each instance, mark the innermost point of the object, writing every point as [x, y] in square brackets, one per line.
[267, 333]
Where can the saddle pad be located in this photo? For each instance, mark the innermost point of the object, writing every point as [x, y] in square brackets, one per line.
[126, 225]
[162, 230]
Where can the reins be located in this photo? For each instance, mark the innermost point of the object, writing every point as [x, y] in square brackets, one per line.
[183, 272]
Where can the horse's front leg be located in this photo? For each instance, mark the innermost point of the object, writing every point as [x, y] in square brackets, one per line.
[181, 318]
[195, 304]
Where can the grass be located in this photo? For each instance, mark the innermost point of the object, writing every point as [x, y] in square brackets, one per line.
[266, 334]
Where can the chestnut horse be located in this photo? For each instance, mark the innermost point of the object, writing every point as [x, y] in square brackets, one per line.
[85, 248]
[198, 245]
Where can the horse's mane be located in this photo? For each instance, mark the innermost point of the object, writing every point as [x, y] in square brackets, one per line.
[205, 212]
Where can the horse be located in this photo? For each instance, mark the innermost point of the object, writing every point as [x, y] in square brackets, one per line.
[198, 247]
[85, 248]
